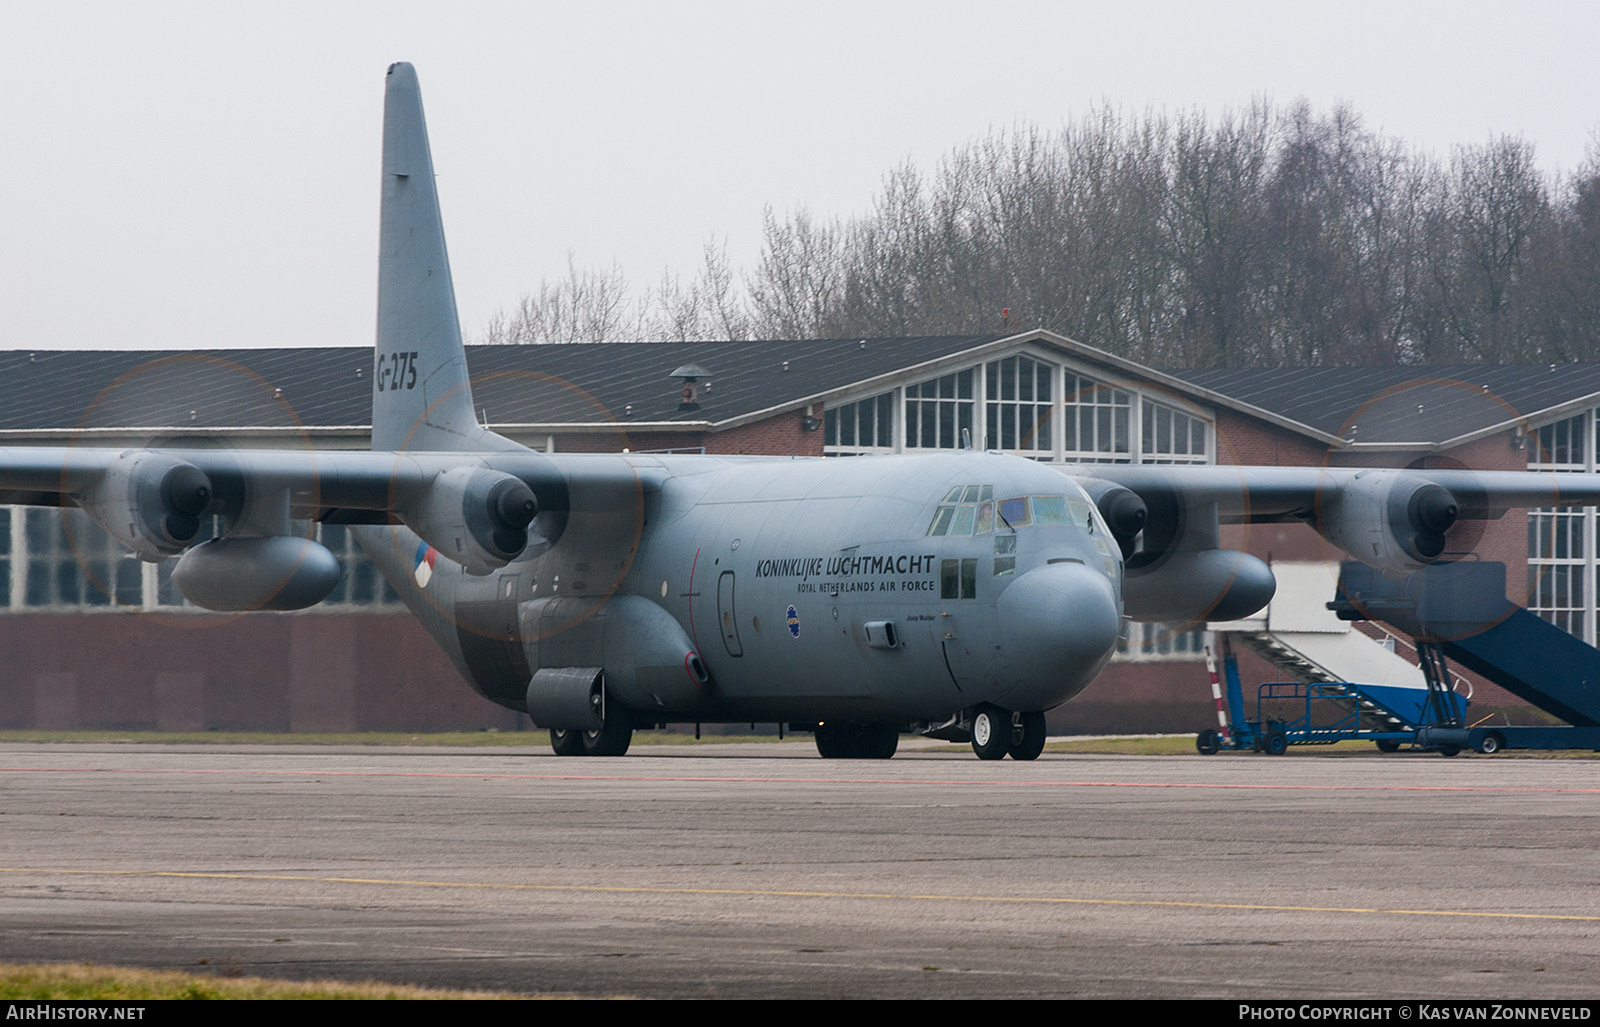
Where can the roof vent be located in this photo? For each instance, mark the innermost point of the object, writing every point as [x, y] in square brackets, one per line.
[691, 375]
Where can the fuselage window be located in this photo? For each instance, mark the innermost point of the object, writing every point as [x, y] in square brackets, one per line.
[958, 579]
[1005, 554]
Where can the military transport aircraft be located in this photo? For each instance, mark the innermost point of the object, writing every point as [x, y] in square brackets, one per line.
[960, 595]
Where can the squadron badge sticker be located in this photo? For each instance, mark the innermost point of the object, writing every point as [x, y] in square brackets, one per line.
[426, 557]
[793, 620]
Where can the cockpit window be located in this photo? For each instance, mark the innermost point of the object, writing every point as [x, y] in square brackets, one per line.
[971, 510]
[1051, 510]
[1062, 510]
[961, 514]
[1015, 513]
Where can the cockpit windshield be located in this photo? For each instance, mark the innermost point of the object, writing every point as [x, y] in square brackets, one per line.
[971, 510]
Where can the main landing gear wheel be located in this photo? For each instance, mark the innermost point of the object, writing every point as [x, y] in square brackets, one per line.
[847, 741]
[566, 743]
[991, 733]
[1027, 741]
[833, 741]
[1208, 742]
[611, 740]
[877, 741]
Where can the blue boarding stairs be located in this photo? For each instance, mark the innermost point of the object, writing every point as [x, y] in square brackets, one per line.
[1323, 712]
[1460, 611]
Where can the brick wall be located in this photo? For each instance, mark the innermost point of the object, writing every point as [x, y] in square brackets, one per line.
[617, 441]
[783, 435]
[261, 672]
[1247, 441]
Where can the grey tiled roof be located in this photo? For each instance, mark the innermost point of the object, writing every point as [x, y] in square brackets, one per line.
[1403, 404]
[631, 382]
[517, 384]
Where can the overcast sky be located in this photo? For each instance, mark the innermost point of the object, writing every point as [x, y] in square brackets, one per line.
[206, 175]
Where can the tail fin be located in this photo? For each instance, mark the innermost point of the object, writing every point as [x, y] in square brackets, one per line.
[421, 397]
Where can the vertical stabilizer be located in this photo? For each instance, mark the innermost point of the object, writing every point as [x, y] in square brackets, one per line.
[421, 398]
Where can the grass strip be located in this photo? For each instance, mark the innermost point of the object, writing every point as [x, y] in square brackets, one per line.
[81, 981]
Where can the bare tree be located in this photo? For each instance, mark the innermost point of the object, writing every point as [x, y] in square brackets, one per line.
[798, 285]
[588, 305]
[1264, 236]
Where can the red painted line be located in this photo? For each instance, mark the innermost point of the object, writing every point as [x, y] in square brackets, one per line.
[692, 779]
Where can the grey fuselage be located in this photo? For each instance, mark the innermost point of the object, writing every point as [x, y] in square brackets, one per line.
[779, 575]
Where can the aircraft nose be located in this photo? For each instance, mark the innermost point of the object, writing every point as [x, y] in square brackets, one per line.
[1058, 627]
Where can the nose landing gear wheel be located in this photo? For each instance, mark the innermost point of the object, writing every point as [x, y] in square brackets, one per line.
[1027, 741]
[991, 733]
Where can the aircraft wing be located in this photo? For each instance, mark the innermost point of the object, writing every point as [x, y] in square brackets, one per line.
[477, 508]
[1258, 494]
[318, 482]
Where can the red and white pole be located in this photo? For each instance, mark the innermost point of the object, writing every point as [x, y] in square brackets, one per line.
[1216, 695]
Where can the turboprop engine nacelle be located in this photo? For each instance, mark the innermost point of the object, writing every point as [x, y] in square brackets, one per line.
[1183, 574]
[476, 517]
[1391, 521]
[1124, 512]
[149, 502]
[275, 572]
[1199, 584]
